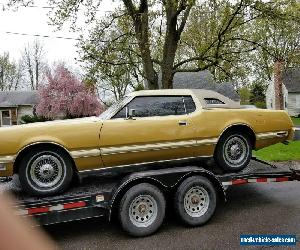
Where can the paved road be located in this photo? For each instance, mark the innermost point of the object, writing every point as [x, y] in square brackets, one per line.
[256, 208]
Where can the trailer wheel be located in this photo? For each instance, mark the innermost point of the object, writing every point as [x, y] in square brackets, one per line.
[142, 210]
[195, 200]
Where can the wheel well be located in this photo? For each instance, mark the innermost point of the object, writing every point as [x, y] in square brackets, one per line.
[40, 146]
[244, 129]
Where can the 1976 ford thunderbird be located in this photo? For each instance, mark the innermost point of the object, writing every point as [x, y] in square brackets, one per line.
[146, 127]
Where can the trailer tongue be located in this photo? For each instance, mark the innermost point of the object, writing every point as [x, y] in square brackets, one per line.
[140, 198]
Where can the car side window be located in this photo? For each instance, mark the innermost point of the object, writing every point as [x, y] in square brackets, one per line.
[146, 106]
[189, 104]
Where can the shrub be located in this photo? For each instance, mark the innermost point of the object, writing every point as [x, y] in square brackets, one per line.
[260, 105]
[32, 119]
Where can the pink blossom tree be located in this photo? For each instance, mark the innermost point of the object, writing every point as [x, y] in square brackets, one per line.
[66, 96]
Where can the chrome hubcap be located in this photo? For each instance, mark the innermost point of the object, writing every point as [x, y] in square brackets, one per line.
[196, 201]
[235, 151]
[143, 211]
[46, 171]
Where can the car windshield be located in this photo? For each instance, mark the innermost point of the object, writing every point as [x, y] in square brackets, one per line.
[107, 114]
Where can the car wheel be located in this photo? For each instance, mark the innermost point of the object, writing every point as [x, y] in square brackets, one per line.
[142, 210]
[195, 201]
[45, 172]
[233, 152]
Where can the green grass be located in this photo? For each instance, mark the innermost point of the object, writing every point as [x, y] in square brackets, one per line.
[280, 152]
[296, 120]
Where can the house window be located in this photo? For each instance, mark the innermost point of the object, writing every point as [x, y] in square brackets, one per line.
[5, 116]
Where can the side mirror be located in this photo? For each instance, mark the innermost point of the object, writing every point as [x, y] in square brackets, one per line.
[131, 114]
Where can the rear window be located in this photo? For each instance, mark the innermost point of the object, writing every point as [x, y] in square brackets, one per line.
[213, 101]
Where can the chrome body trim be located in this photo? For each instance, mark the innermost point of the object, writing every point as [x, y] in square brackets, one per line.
[7, 159]
[146, 147]
[270, 135]
[85, 153]
[212, 141]
[147, 163]
[156, 146]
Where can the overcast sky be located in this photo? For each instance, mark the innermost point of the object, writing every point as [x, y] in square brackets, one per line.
[35, 21]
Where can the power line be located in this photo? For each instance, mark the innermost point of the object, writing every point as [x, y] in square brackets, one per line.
[40, 35]
[51, 7]
[58, 37]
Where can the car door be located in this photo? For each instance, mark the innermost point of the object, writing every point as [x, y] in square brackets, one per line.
[161, 130]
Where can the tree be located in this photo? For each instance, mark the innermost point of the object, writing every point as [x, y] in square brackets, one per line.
[10, 73]
[257, 96]
[162, 37]
[175, 15]
[279, 44]
[169, 36]
[65, 96]
[244, 94]
[33, 63]
[114, 78]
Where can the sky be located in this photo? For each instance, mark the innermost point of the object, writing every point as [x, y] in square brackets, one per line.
[35, 21]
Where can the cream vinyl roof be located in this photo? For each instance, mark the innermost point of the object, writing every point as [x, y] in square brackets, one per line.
[200, 94]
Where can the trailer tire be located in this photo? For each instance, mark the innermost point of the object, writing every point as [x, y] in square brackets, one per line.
[45, 172]
[195, 200]
[142, 210]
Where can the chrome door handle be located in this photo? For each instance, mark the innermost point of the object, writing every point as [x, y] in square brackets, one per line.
[182, 123]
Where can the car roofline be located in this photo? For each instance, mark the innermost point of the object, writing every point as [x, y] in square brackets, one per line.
[199, 94]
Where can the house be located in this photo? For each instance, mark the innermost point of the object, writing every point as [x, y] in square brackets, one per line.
[290, 92]
[203, 80]
[15, 104]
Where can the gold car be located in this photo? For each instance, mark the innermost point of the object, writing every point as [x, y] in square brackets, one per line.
[147, 127]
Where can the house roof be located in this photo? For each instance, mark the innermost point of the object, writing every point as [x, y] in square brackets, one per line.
[291, 80]
[18, 98]
[202, 80]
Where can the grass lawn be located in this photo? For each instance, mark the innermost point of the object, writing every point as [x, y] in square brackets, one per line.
[296, 120]
[280, 152]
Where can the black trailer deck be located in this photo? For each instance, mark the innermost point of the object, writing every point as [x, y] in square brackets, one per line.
[96, 196]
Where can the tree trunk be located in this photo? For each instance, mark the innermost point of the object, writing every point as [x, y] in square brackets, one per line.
[141, 26]
[37, 74]
[278, 83]
[169, 51]
[2, 78]
[173, 32]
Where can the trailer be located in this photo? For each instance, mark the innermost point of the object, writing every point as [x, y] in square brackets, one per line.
[139, 199]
